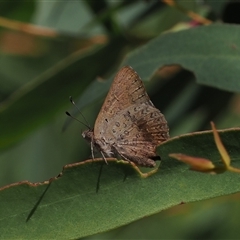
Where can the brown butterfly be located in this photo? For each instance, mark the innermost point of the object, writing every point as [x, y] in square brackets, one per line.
[128, 124]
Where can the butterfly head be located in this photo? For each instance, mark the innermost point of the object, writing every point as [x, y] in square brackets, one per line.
[88, 135]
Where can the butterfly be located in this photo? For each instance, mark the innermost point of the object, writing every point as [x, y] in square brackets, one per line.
[128, 125]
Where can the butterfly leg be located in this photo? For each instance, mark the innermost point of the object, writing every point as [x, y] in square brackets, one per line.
[91, 144]
[104, 157]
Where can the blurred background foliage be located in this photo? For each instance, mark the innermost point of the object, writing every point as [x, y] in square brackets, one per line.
[50, 50]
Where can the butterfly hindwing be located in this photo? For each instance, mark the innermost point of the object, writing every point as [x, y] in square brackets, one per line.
[138, 137]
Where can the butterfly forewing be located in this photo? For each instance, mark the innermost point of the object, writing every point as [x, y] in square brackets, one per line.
[127, 89]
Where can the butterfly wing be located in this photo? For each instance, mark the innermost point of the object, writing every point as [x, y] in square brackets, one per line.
[127, 89]
[137, 140]
[128, 124]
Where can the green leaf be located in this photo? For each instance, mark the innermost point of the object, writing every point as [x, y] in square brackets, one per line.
[69, 207]
[189, 221]
[210, 52]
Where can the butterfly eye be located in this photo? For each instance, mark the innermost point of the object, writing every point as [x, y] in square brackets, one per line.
[106, 120]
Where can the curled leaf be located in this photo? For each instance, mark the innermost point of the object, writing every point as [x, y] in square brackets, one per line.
[196, 163]
[223, 152]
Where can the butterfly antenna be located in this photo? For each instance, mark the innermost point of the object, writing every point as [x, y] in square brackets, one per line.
[77, 120]
[87, 123]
